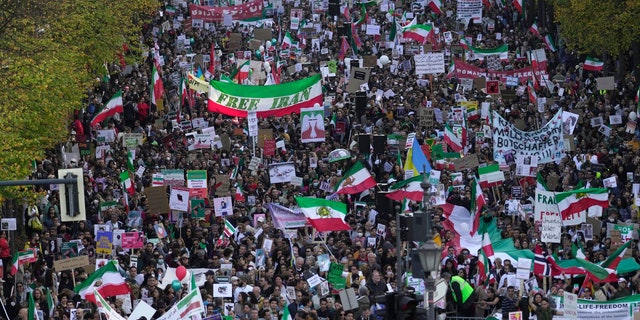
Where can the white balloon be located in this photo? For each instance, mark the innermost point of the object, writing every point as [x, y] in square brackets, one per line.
[261, 48]
[266, 65]
[384, 60]
[268, 69]
[267, 44]
[633, 116]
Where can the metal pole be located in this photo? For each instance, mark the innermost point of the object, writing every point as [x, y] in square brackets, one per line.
[399, 271]
[36, 182]
[430, 282]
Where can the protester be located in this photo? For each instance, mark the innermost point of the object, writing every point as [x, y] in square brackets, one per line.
[230, 228]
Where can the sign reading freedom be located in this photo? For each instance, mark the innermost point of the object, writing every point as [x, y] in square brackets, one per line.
[278, 100]
[244, 11]
[545, 143]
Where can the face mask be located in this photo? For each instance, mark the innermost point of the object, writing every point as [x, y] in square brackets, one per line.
[359, 234]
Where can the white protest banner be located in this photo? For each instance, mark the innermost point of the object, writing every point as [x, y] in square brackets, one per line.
[469, 9]
[281, 172]
[545, 204]
[619, 309]
[312, 129]
[545, 143]
[429, 63]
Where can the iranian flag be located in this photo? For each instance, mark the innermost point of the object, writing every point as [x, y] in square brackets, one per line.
[239, 193]
[518, 5]
[157, 89]
[540, 184]
[130, 158]
[125, 179]
[477, 202]
[487, 247]
[278, 100]
[32, 312]
[287, 41]
[184, 93]
[417, 32]
[20, 258]
[112, 107]
[243, 72]
[614, 259]
[189, 306]
[105, 307]
[593, 64]
[534, 29]
[324, 215]
[533, 96]
[575, 201]
[451, 139]
[502, 51]
[551, 45]
[436, 6]
[490, 176]
[229, 229]
[356, 180]
[407, 189]
[465, 44]
[107, 280]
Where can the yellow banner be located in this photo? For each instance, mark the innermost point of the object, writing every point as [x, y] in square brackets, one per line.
[197, 84]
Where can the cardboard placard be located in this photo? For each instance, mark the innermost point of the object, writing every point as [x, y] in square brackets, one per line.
[468, 162]
[254, 44]
[262, 34]
[264, 134]
[158, 199]
[370, 61]
[71, 263]
[235, 42]
[223, 180]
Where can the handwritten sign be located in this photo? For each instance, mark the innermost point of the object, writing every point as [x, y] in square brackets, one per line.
[551, 228]
[71, 263]
[335, 276]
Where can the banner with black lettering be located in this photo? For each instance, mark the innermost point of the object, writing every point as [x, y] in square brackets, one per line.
[545, 143]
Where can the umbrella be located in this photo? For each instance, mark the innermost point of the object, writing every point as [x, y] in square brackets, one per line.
[339, 154]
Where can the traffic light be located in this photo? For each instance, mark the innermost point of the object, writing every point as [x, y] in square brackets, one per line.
[388, 304]
[406, 307]
[72, 204]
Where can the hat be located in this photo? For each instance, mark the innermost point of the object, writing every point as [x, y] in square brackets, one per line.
[622, 280]
[411, 113]
[234, 278]
[260, 219]
[210, 273]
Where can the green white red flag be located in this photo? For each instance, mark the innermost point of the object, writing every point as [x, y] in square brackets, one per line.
[112, 107]
[324, 215]
[356, 180]
[107, 280]
[575, 201]
[157, 88]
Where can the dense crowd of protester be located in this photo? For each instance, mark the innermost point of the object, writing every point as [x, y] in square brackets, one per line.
[260, 286]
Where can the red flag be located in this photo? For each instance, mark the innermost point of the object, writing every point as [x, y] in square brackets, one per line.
[212, 60]
[346, 13]
[344, 48]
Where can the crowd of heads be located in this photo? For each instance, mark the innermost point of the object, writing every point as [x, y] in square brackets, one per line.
[262, 287]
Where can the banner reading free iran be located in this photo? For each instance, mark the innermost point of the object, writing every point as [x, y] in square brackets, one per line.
[276, 100]
[546, 143]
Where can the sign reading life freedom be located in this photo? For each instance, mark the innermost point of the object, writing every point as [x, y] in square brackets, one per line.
[277, 100]
[545, 143]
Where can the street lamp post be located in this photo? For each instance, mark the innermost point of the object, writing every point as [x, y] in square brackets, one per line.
[429, 252]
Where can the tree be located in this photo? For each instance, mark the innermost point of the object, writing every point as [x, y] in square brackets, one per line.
[50, 54]
[598, 27]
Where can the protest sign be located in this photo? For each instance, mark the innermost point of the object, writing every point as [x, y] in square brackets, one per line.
[312, 129]
[243, 11]
[551, 229]
[429, 63]
[132, 240]
[104, 244]
[546, 143]
[281, 172]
